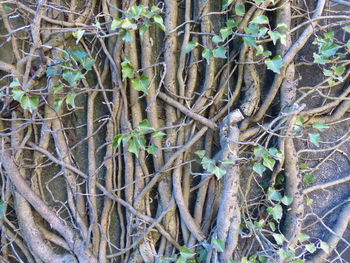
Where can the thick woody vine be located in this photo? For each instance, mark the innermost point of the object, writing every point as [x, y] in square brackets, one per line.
[170, 131]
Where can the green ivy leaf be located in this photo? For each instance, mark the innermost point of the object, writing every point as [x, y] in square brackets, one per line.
[207, 54]
[269, 162]
[311, 248]
[275, 64]
[70, 99]
[17, 94]
[249, 41]
[78, 35]
[53, 71]
[186, 253]
[275, 35]
[302, 237]
[239, 9]
[15, 83]
[219, 244]
[260, 224]
[128, 70]
[57, 103]
[217, 39]
[347, 28]
[208, 164]
[308, 179]
[126, 35]
[57, 88]
[279, 238]
[117, 140]
[116, 23]
[134, 147]
[141, 84]
[287, 200]
[339, 70]
[200, 153]
[226, 4]
[158, 134]
[219, 172]
[30, 103]
[315, 139]
[159, 22]
[259, 169]
[260, 20]
[128, 25]
[282, 26]
[324, 246]
[190, 46]
[3, 207]
[273, 195]
[72, 77]
[272, 226]
[145, 126]
[227, 161]
[320, 126]
[152, 149]
[276, 212]
[219, 52]
[225, 32]
[260, 51]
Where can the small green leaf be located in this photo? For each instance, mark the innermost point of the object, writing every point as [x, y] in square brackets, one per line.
[208, 164]
[128, 25]
[300, 121]
[219, 172]
[309, 201]
[272, 226]
[126, 35]
[269, 162]
[225, 32]
[302, 237]
[287, 200]
[7, 9]
[134, 147]
[217, 39]
[282, 26]
[274, 195]
[324, 246]
[259, 169]
[207, 54]
[239, 9]
[141, 84]
[145, 126]
[70, 99]
[260, 51]
[275, 35]
[53, 71]
[116, 23]
[128, 70]
[72, 77]
[249, 41]
[186, 253]
[17, 94]
[57, 103]
[311, 248]
[3, 207]
[78, 35]
[159, 22]
[308, 179]
[200, 153]
[275, 64]
[219, 244]
[30, 103]
[315, 139]
[320, 126]
[117, 140]
[339, 70]
[347, 28]
[303, 166]
[260, 20]
[279, 238]
[190, 46]
[158, 134]
[219, 52]
[57, 88]
[152, 149]
[226, 4]
[15, 83]
[276, 212]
